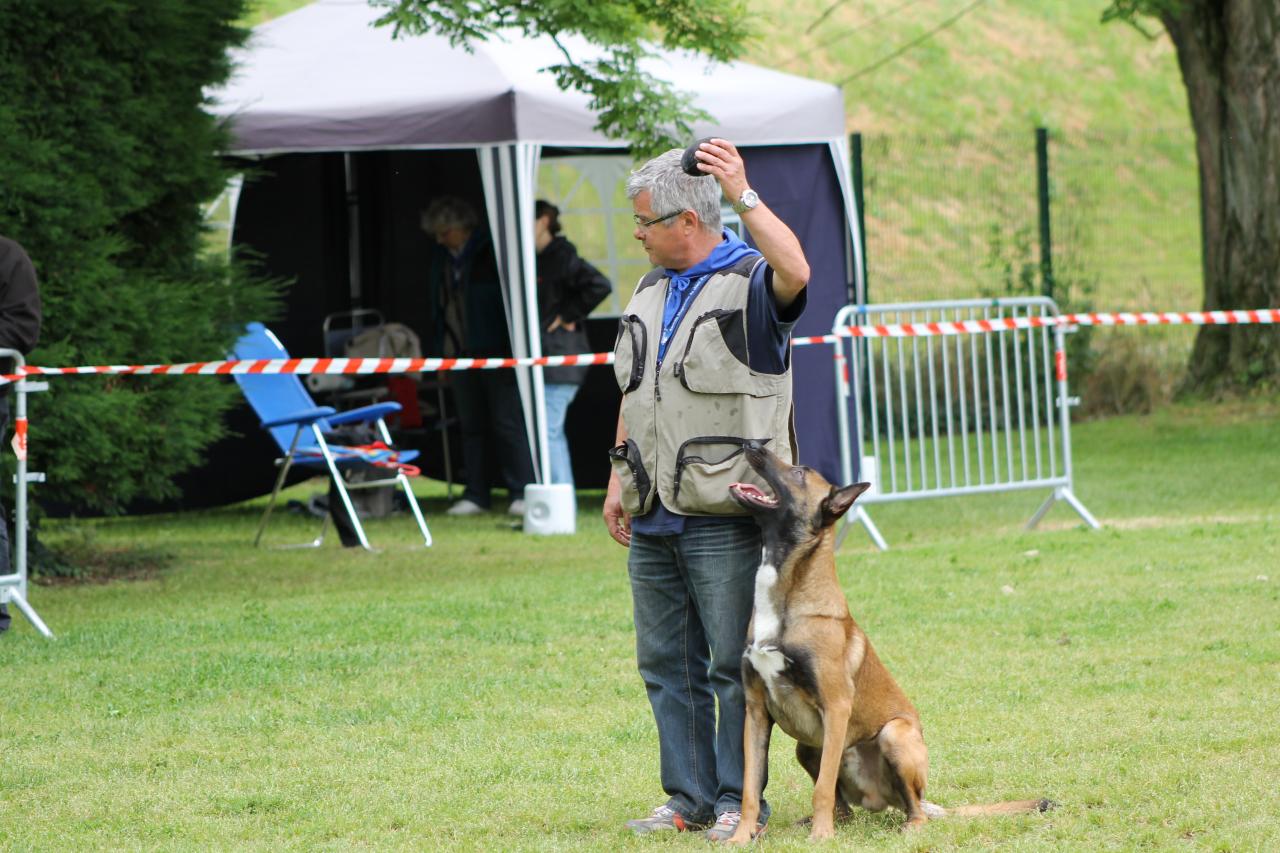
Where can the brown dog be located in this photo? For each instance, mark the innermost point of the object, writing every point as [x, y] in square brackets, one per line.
[809, 668]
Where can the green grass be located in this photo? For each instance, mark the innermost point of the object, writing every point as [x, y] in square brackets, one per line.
[481, 695]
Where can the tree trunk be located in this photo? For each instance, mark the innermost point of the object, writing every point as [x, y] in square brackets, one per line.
[1229, 53]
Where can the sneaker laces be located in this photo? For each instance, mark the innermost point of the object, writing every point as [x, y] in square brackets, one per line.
[729, 818]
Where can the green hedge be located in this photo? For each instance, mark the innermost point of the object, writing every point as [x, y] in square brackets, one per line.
[106, 155]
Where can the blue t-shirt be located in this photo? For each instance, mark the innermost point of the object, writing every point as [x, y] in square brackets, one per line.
[768, 342]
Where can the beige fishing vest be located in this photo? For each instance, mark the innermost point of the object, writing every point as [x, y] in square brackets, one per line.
[687, 420]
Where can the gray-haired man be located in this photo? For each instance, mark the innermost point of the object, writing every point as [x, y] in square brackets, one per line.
[703, 362]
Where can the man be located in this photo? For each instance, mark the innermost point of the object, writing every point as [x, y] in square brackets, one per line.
[19, 329]
[465, 294]
[703, 359]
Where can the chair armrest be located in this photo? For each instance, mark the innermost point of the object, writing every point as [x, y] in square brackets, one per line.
[306, 416]
[363, 414]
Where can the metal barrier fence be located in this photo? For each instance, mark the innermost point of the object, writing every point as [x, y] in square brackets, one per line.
[13, 586]
[949, 414]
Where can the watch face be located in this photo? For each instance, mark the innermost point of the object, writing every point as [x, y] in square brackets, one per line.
[750, 199]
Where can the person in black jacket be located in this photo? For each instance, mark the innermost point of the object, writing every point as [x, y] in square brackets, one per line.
[469, 320]
[19, 330]
[568, 288]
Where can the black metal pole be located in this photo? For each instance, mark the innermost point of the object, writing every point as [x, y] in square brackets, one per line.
[855, 154]
[1042, 192]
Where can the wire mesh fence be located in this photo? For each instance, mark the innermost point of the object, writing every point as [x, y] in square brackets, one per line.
[956, 216]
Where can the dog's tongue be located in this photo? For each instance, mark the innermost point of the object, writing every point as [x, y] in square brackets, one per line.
[748, 488]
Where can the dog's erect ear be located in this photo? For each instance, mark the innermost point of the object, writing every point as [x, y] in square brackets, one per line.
[839, 501]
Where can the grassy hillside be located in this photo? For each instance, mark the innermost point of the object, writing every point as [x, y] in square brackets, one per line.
[1005, 65]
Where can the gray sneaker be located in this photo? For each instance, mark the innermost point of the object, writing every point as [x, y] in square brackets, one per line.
[664, 819]
[465, 506]
[727, 824]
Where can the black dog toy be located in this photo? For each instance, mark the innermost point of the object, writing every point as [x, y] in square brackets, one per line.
[689, 159]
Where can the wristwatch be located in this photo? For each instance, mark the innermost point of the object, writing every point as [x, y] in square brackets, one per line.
[748, 200]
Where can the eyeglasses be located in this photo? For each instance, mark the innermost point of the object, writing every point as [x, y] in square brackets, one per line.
[645, 223]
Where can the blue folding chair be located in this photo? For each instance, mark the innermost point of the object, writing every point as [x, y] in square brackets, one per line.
[300, 429]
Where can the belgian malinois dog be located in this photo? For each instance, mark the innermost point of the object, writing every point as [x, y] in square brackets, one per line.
[809, 668]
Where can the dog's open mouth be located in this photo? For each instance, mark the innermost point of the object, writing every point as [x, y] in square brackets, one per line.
[749, 494]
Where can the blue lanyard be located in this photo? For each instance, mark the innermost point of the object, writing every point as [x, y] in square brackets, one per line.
[669, 328]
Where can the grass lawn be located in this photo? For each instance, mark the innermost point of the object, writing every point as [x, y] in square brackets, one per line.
[481, 695]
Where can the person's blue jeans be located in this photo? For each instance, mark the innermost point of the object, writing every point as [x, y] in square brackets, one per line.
[692, 596]
[559, 395]
[491, 422]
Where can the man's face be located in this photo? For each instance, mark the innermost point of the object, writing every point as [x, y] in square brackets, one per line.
[452, 238]
[666, 242]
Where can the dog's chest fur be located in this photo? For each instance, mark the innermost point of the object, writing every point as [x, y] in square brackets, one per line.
[788, 677]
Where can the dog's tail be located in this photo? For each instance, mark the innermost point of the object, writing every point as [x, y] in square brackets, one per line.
[933, 810]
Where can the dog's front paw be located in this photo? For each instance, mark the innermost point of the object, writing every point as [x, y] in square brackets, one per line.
[741, 836]
[822, 830]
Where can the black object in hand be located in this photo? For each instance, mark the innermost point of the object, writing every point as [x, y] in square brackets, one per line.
[689, 159]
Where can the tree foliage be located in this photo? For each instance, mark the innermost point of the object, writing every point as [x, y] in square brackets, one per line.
[631, 103]
[106, 155]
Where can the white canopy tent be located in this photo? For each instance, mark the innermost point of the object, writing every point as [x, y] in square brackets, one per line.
[324, 79]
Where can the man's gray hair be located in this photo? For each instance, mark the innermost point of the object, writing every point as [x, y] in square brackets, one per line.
[671, 190]
[446, 212]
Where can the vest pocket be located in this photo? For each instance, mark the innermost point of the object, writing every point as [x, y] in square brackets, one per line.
[706, 466]
[714, 360]
[636, 484]
[629, 353]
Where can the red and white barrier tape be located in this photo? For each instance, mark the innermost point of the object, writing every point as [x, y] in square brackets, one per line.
[364, 366]
[1001, 324]
[301, 366]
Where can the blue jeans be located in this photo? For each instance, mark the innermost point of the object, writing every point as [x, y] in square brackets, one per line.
[559, 395]
[692, 596]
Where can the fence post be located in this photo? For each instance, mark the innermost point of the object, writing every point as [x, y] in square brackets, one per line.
[13, 586]
[855, 154]
[1042, 193]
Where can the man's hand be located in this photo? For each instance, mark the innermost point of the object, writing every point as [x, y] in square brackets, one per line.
[772, 237]
[559, 323]
[616, 519]
[720, 159]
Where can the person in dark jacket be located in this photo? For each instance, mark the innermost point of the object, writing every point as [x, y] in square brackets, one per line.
[568, 289]
[19, 330]
[469, 321]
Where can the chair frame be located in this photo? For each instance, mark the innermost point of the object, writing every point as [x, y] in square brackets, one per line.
[313, 419]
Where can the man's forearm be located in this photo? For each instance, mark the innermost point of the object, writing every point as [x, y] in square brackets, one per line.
[782, 250]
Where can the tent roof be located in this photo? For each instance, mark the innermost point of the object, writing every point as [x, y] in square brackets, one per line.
[323, 78]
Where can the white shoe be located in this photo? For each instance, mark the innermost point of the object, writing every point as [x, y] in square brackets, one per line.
[465, 507]
[516, 508]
